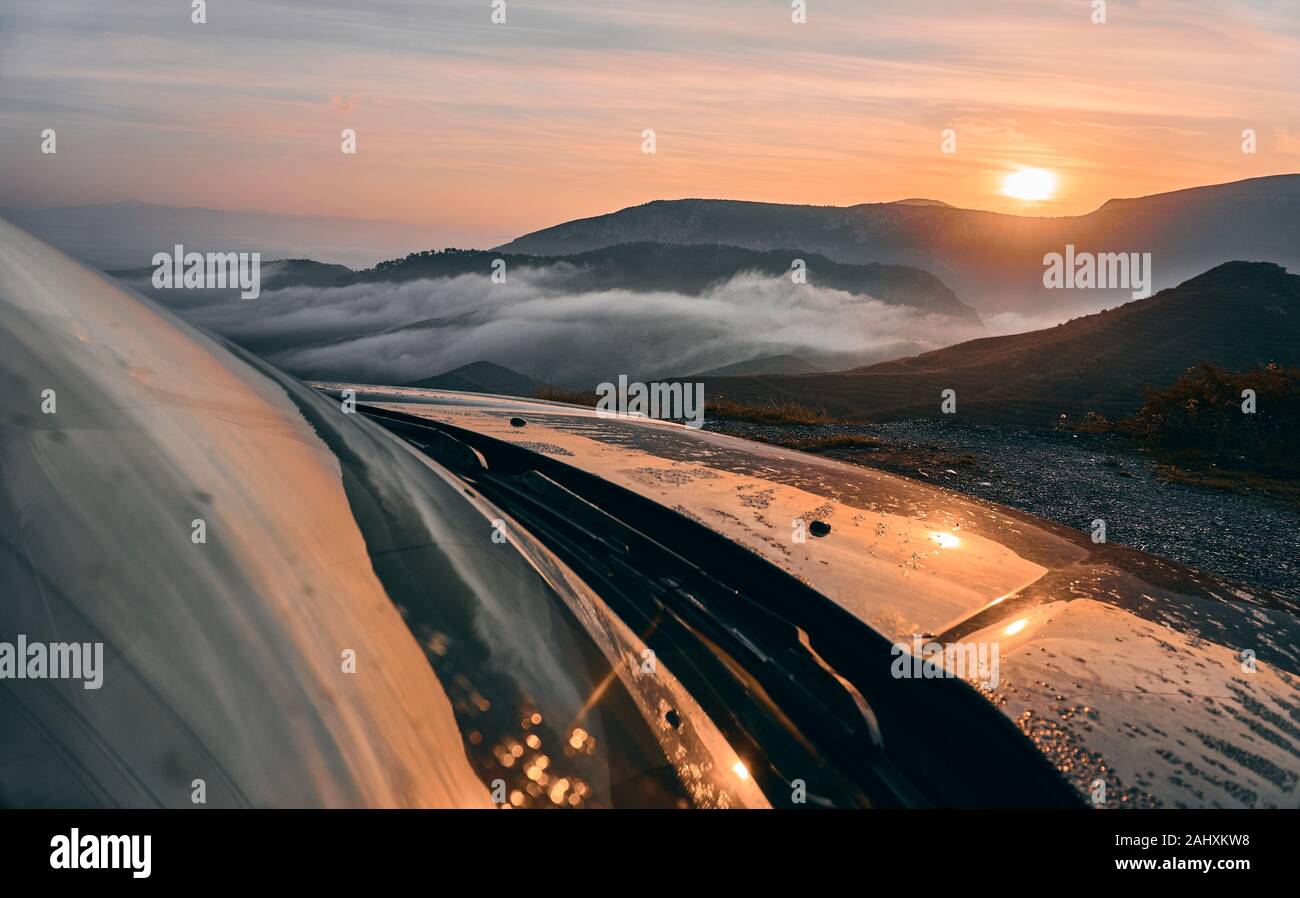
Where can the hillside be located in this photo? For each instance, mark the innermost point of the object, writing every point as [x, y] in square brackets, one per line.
[772, 364]
[1237, 316]
[481, 377]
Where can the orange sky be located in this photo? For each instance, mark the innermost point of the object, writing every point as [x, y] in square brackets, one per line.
[487, 131]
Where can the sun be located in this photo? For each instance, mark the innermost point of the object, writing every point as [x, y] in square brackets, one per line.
[1029, 184]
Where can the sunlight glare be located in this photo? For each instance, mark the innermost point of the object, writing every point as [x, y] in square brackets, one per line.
[945, 540]
[1016, 627]
[1029, 184]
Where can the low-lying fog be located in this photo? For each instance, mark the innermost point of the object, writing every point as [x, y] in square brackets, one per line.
[399, 332]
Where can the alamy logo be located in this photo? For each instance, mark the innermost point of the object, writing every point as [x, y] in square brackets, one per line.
[934, 660]
[196, 271]
[78, 852]
[53, 661]
[670, 401]
[1098, 271]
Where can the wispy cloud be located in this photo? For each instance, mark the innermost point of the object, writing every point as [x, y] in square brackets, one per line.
[499, 129]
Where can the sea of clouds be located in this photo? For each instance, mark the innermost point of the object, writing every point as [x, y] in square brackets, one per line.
[400, 332]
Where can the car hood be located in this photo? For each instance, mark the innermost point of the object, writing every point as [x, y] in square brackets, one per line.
[1145, 682]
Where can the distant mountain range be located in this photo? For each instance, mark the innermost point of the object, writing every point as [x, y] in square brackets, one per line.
[689, 269]
[1238, 315]
[994, 262]
[755, 340]
[635, 267]
[989, 261]
[127, 234]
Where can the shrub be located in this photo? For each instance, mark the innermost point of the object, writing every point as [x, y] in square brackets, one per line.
[1199, 418]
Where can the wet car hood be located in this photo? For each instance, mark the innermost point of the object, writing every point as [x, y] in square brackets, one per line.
[1143, 681]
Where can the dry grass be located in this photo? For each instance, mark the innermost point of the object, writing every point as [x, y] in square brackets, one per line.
[772, 412]
[1232, 481]
[553, 393]
[847, 442]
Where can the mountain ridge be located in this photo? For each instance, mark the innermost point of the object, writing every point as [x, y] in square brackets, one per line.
[636, 267]
[480, 377]
[992, 260]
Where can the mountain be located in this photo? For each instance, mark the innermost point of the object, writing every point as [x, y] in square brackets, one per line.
[481, 377]
[301, 273]
[1237, 315]
[127, 234]
[635, 267]
[689, 269]
[772, 364]
[276, 273]
[994, 262]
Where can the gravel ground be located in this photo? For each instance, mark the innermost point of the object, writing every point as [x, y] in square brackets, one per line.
[1253, 539]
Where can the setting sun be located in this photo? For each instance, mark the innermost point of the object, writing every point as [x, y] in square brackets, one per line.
[1029, 184]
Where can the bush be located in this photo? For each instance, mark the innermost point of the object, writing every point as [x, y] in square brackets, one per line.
[1199, 419]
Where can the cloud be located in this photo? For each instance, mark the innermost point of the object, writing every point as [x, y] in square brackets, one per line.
[395, 333]
[488, 131]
